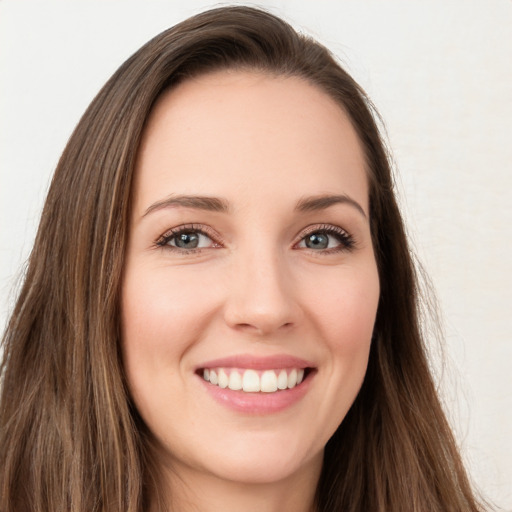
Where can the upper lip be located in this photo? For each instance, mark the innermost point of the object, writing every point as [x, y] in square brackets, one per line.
[258, 362]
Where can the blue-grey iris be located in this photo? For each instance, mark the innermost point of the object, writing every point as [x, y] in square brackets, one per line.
[187, 240]
[317, 241]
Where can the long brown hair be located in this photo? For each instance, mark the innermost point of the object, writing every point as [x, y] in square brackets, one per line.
[69, 436]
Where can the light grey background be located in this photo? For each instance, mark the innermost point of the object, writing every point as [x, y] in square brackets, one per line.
[441, 76]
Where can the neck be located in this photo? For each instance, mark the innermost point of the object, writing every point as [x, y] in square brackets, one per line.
[192, 491]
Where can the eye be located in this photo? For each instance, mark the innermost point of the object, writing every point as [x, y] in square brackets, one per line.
[187, 238]
[327, 239]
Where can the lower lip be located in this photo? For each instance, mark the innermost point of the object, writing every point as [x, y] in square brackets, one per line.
[258, 403]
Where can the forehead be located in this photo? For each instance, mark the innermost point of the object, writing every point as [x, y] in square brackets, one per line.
[234, 132]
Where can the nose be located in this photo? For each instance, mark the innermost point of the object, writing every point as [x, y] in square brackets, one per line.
[261, 295]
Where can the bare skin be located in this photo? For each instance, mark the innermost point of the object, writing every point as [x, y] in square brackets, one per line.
[249, 244]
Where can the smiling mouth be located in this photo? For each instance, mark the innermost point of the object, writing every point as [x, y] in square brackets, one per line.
[255, 381]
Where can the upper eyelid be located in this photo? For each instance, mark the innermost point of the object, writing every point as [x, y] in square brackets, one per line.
[322, 227]
[200, 228]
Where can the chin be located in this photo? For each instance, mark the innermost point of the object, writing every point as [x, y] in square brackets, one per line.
[264, 470]
[260, 459]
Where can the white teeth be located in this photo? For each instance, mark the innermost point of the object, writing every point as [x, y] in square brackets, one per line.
[252, 381]
[223, 378]
[292, 379]
[269, 381]
[282, 380]
[235, 381]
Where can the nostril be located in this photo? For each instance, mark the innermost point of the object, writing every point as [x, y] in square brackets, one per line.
[245, 326]
[262, 325]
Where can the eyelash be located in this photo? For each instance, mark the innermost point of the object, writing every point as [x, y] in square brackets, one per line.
[346, 241]
[164, 240]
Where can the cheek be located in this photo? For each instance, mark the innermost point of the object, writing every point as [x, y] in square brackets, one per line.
[159, 324]
[160, 309]
[344, 317]
[345, 309]
[159, 312]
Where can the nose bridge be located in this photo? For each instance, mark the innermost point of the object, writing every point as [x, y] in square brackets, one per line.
[261, 297]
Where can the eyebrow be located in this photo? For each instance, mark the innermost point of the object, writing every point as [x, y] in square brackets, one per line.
[217, 204]
[315, 203]
[212, 204]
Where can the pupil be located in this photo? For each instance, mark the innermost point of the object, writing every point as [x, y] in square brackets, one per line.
[317, 241]
[187, 240]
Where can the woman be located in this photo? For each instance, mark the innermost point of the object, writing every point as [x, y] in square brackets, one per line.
[220, 310]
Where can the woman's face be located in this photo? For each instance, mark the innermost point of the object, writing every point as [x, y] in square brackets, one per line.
[250, 264]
